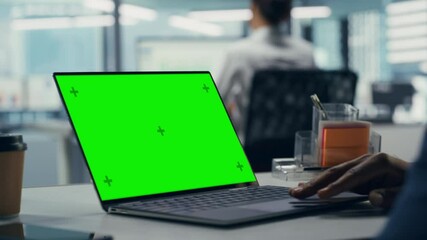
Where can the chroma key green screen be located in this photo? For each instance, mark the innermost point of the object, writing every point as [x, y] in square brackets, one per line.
[150, 133]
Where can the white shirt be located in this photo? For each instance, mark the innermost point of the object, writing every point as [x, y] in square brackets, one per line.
[266, 48]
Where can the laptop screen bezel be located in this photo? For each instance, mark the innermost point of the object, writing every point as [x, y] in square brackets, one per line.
[107, 203]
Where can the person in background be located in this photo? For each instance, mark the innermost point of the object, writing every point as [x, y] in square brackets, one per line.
[389, 181]
[266, 48]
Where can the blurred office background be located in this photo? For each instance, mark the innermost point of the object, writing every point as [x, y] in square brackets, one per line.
[383, 41]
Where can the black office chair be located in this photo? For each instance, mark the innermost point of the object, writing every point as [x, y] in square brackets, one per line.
[392, 94]
[280, 105]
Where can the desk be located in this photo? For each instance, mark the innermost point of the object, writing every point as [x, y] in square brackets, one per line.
[76, 207]
[392, 135]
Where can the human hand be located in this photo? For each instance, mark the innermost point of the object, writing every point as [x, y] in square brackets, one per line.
[379, 175]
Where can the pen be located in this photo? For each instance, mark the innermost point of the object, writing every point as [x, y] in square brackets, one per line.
[316, 102]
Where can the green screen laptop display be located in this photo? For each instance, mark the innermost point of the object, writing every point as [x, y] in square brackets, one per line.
[151, 133]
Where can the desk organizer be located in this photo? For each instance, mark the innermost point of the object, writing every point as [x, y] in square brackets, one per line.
[337, 136]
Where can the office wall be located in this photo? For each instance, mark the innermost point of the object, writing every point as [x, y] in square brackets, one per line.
[62, 50]
[160, 28]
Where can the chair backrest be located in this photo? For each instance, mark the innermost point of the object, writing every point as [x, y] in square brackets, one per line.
[280, 105]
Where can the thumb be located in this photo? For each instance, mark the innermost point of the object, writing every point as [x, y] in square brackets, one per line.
[383, 197]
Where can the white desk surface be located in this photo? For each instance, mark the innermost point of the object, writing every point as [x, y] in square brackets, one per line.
[76, 207]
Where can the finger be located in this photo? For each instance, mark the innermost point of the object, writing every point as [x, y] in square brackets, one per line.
[384, 197]
[373, 166]
[300, 184]
[332, 174]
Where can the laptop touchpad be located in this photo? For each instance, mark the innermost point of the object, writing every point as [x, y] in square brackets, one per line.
[229, 213]
[273, 206]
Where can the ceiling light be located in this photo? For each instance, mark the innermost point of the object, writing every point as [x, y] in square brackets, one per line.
[407, 19]
[62, 22]
[407, 32]
[100, 5]
[408, 56]
[406, 7]
[195, 25]
[138, 12]
[405, 44]
[311, 12]
[235, 15]
[126, 10]
[41, 23]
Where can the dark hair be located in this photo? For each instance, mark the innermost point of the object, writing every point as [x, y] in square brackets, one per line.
[274, 11]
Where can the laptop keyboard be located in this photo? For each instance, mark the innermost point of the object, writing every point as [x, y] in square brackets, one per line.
[211, 200]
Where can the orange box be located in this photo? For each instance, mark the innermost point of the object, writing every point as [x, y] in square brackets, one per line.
[343, 141]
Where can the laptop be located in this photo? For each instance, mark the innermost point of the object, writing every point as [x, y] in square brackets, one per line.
[161, 145]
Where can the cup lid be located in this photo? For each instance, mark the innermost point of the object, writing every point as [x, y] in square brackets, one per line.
[12, 142]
